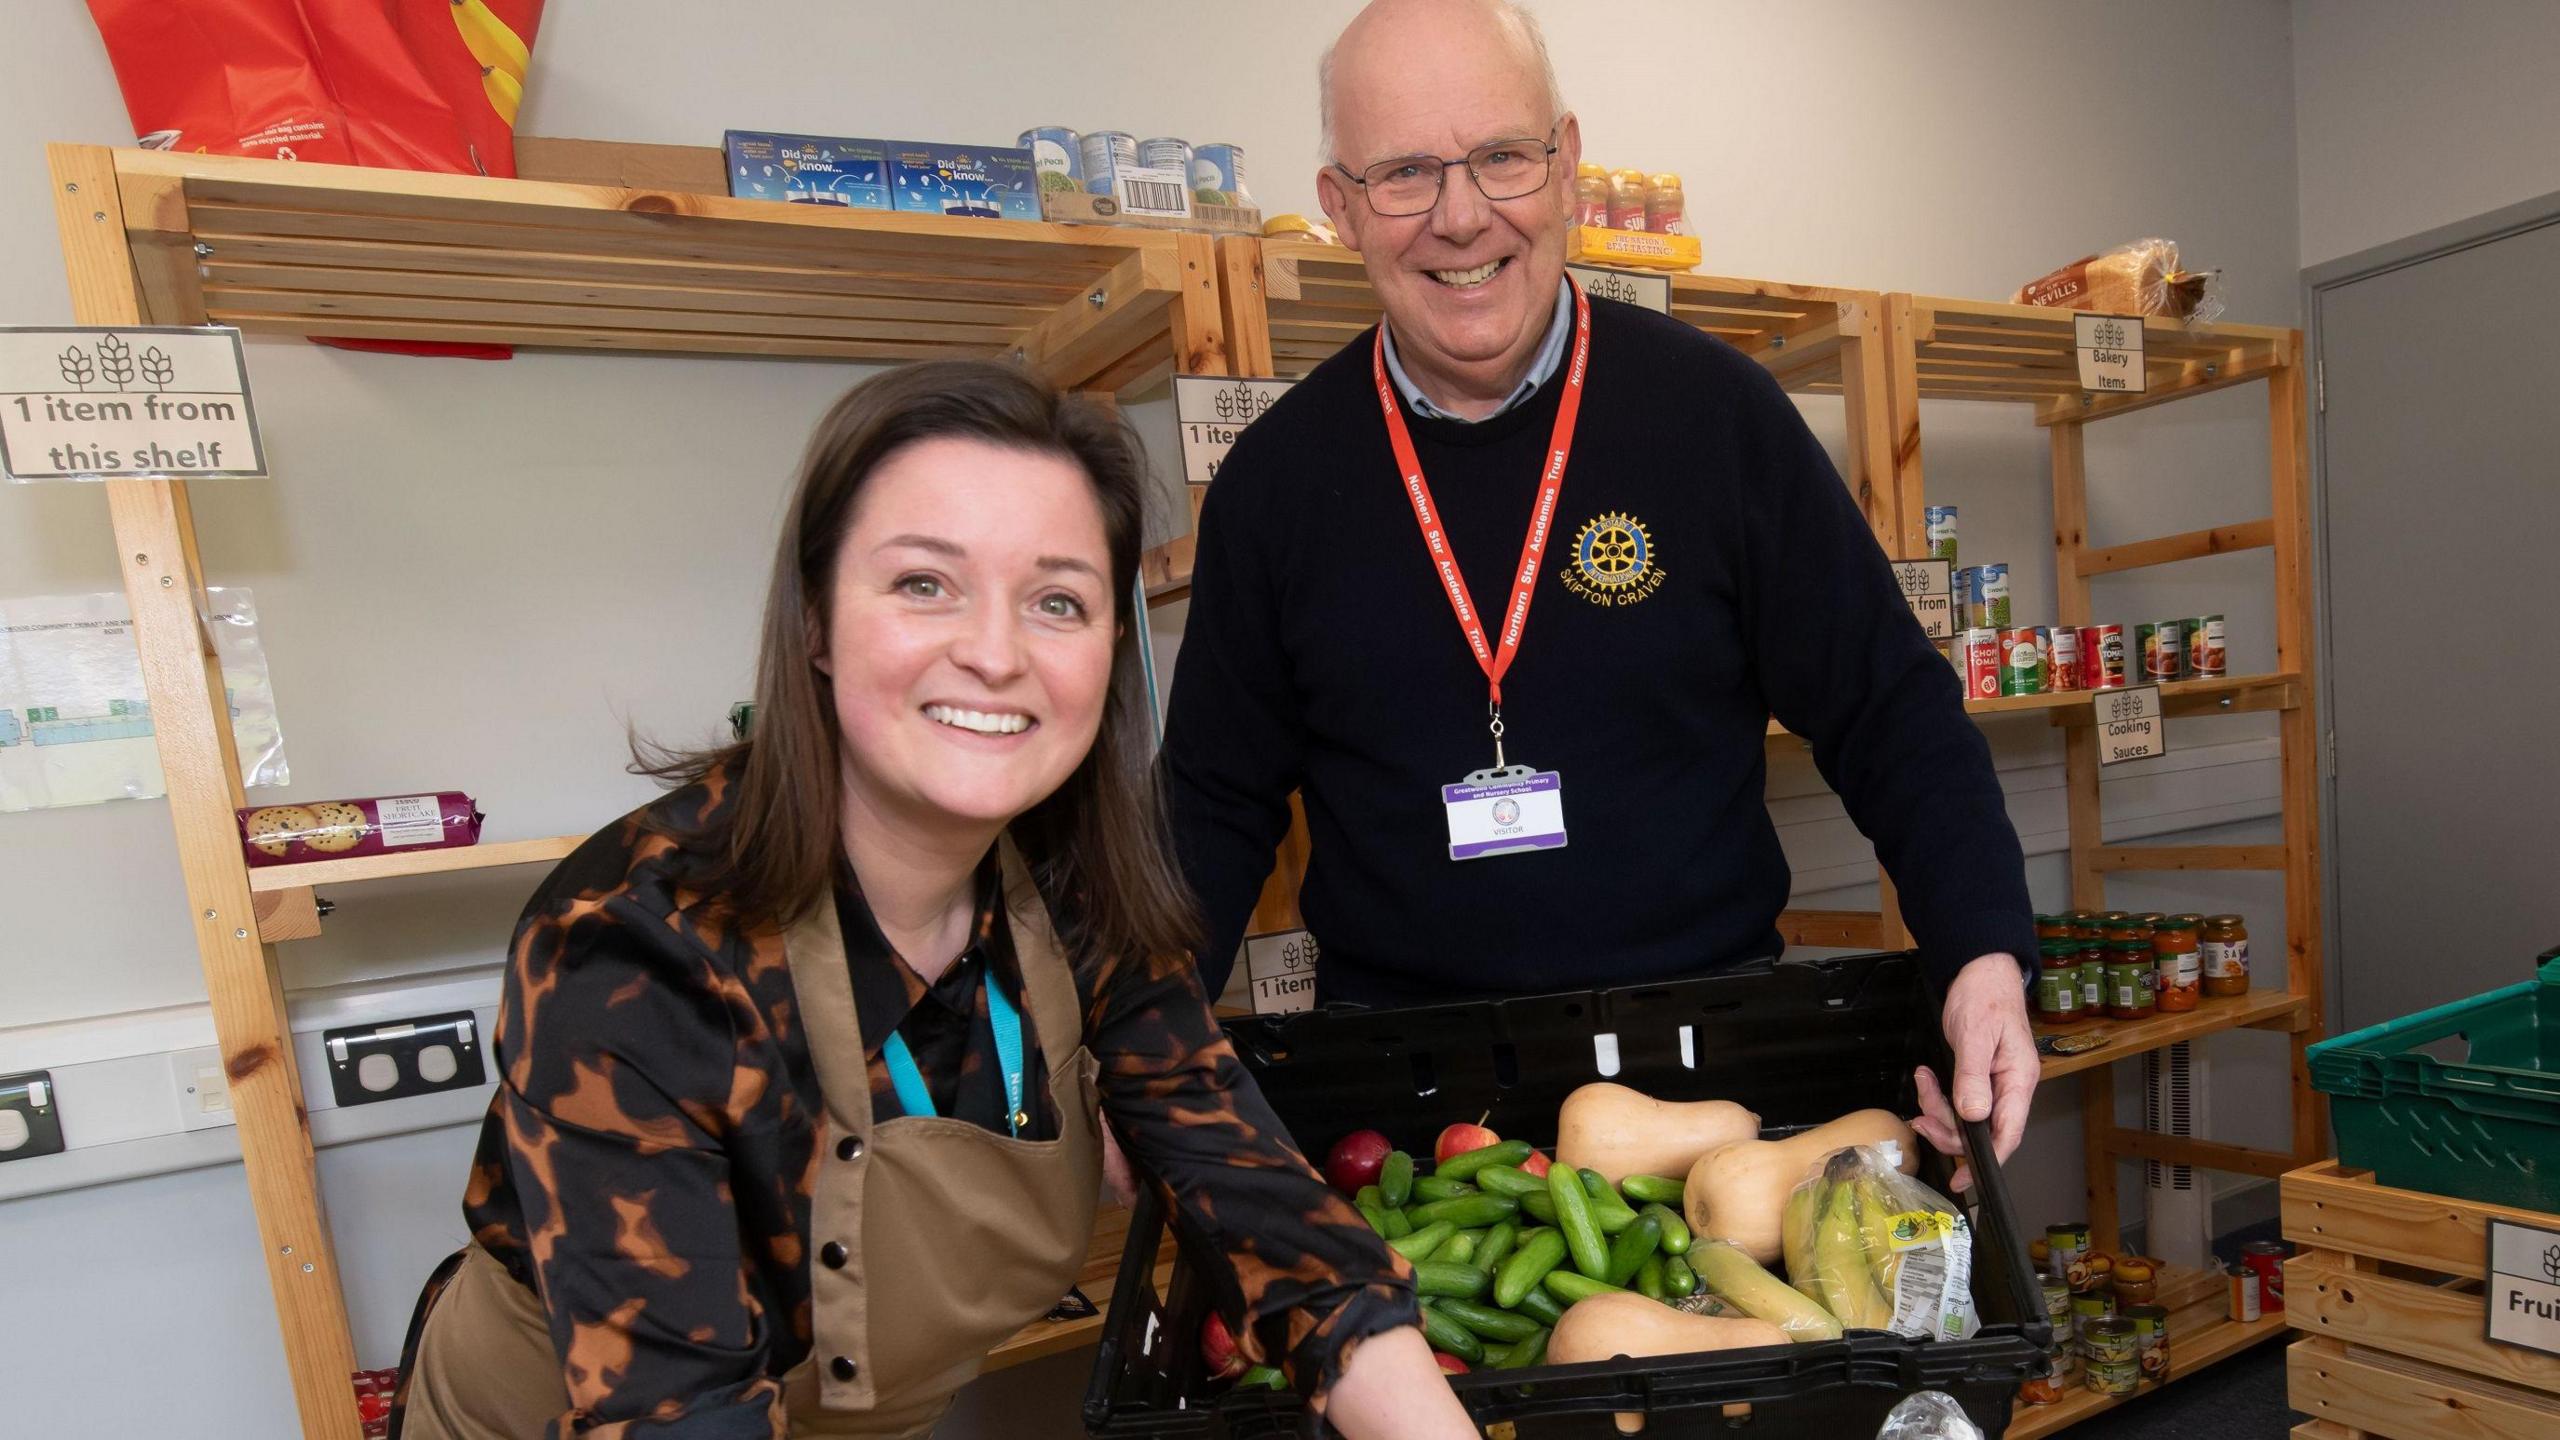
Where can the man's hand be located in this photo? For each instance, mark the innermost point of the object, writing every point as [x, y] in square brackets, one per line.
[1996, 1064]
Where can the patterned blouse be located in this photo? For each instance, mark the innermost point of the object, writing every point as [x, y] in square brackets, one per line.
[649, 1158]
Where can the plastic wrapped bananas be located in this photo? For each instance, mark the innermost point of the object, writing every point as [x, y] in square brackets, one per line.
[1880, 1250]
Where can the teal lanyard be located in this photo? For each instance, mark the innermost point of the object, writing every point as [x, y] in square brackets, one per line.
[1006, 1021]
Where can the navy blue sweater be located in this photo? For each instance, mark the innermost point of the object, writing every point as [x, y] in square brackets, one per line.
[1321, 655]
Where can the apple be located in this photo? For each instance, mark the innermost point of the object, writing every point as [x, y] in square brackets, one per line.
[1218, 1349]
[1537, 1164]
[1460, 1138]
[1354, 1160]
[1450, 1363]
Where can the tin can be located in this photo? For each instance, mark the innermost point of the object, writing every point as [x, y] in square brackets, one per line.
[1970, 614]
[2207, 658]
[2267, 1258]
[2247, 1301]
[1941, 523]
[2067, 672]
[1217, 169]
[2057, 1305]
[2021, 663]
[1166, 152]
[2117, 1378]
[2069, 1247]
[2151, 1334]
[1995, 596]
[1107, 154]
[2089, 1307]
[2102, 656]
[2107, 1340]
[2157, 642]
[1977, 655]
[2044, 652]
[1057, 163]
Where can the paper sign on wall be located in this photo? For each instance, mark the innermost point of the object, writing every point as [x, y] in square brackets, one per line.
[1928, 587]
[107, 402]
[1211, 411]
[2130, 724]
[1283, 970]
[2523, 1292]
[2110, 349]
[1653, 292]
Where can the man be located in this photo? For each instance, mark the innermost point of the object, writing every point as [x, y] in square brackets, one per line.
[1369, 627]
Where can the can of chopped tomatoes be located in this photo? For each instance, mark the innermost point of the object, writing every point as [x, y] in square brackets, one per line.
[1977, 655]
[2102, 664]
[2068, 672]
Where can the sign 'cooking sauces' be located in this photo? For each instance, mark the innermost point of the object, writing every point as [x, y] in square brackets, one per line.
[2130, 724]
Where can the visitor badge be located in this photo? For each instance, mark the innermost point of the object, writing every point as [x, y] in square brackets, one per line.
[1495, 812]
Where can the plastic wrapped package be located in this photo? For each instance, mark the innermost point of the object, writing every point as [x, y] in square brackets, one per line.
[343, 829]
[2142, 278]
[1929, 1415]
[1880, 1250]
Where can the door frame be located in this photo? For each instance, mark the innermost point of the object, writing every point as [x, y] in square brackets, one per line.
[2318, 280]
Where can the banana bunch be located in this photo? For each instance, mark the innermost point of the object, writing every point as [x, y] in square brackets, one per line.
[1726, 1272]
[501, 53]
[1839, 1243]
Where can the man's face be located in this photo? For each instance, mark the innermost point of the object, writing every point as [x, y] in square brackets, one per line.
[1469, 285]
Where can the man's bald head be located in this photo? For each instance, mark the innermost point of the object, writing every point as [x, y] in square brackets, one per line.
[1388, 37]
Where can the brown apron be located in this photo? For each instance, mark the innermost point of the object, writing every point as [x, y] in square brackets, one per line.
[962, 1235]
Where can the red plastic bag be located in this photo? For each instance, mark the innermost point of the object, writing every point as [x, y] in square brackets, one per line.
[401, 84]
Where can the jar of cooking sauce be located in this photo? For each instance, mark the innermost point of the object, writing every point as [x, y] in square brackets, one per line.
[2132, 983]
[2053, 927]
[2085, 926]
[2093, 979]
[2224, 945]
[2058, 983]
[2180, 968]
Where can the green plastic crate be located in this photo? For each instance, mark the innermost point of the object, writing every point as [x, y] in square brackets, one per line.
[2486, 1127]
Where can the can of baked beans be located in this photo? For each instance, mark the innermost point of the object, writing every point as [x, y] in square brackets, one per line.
[2247, 1303]
[1977, 655]
[2021, 663]
[2266, 1259]
[2206, 658]
[2102, 656]
[2158, 643]
[2068, 672]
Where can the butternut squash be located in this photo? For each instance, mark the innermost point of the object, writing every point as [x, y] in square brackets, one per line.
[1605, 1327]
[1739, 1192]
[1621, 1132]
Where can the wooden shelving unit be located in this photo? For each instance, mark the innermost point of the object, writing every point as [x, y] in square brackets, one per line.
[285, 249]
[2201, 1332]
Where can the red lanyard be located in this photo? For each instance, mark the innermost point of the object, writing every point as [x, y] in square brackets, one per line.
[1495, 660]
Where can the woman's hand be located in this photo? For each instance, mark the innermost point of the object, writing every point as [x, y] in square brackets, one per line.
[1392, 1389]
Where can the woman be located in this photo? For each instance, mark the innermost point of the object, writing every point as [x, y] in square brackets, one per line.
[797, 1115]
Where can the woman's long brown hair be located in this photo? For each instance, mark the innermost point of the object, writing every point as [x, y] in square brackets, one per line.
[1097, 847]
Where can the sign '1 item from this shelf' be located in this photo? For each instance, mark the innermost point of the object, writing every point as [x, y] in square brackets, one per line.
[92, 402]
[344, 829]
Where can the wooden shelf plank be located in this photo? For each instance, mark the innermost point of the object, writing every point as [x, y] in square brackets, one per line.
[1833, 929]
[2169, 549]
[2265, 1009]
[418, 862]
[2115, 858]
[2254, 692]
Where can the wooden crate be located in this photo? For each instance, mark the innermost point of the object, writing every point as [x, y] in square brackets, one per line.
[2386, 1290]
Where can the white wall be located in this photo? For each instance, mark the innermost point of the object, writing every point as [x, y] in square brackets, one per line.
[2415, 116]
[602, 524]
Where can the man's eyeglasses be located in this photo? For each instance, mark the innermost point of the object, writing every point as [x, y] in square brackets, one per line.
[1410, 184]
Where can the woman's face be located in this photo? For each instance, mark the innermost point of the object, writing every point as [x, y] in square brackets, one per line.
[970, 637]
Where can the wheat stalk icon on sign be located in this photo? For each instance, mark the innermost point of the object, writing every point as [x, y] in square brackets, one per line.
[2551, 1264]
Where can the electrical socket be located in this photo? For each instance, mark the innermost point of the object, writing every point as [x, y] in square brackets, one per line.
[400, 1058]
[30, 1115]
[204, 1088]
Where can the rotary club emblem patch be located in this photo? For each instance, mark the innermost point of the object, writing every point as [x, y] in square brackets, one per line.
[1613, 561]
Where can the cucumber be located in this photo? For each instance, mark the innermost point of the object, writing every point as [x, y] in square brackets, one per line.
[1437, 1277]
[1569, 1287]
[1427, 1188]
[1582, 1237]
[1496, 1245]
[1467, 1212]
[1675, 1231]
[1450, 1337]
[1542, 1307]
[1509, 1180]
[1398, 1227]
[1605, 1200]
[1464, 1167]
[1650, 1190]
[1395, 1178]
[1532, 1351]
[1372, 1197]
[1649, 1282]
[1678, 1280]
[1418, 1245]
[1627, 1254]
[1460, 1249]
[1262, 1377]
[1378, 1219]
[1528, 1265]
[1488, 1322]
[1539, 1205]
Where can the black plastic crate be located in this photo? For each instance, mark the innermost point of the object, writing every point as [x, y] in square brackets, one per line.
[1800, 1042]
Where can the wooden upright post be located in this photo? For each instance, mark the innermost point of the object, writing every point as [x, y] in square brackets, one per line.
[2299, 736]
[156, 552]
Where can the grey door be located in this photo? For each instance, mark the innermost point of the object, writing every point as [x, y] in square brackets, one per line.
[2441, 496]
